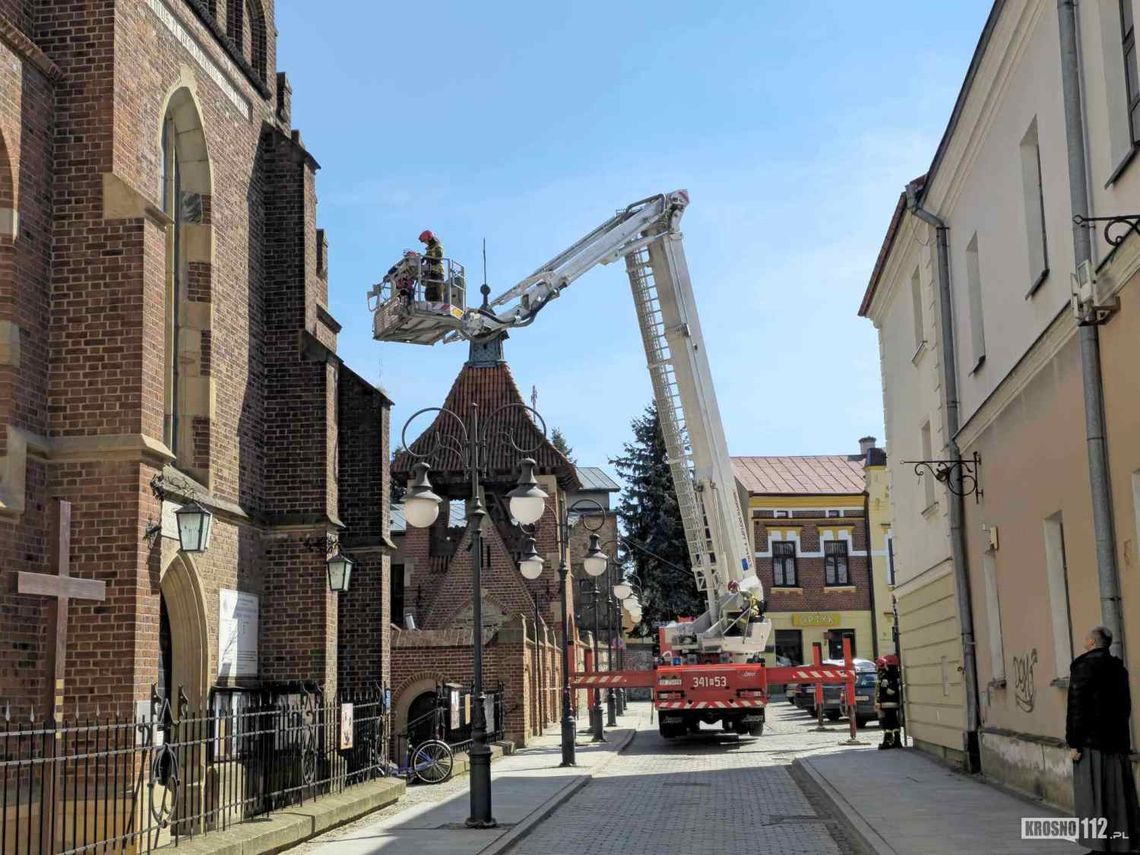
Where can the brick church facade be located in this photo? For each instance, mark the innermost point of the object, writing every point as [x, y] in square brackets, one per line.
[165, 337]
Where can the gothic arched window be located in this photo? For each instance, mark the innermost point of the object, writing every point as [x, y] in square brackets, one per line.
[175, 279]
[245, 25]
[187, 372]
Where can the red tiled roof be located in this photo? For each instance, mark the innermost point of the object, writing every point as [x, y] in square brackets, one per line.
[493, 390]
[834, 474]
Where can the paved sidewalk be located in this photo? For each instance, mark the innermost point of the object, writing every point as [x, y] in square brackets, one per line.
[526, 787]
[902, 802]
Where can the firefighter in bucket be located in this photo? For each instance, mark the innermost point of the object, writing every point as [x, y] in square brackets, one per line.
[887, 694]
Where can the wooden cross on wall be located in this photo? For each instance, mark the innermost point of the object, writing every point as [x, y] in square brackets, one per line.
[62, 588]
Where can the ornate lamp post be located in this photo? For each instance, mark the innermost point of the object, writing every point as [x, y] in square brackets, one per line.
[615, 698]
[471, 445]
[530, 566]
[595, 565]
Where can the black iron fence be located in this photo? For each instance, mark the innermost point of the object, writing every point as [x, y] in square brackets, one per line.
[118, 784]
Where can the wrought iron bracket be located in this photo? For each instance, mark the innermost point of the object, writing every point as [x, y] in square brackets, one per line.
[328, 542]
[1116, 229]
[961, 477]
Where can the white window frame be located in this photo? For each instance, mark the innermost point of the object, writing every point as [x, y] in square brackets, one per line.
[1056, 575]
[1033, 198]
[892, 571]
[993, 616]
[976, 310]
[919, 314]
[927, 438]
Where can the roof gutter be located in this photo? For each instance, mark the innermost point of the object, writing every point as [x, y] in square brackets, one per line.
[954, 491]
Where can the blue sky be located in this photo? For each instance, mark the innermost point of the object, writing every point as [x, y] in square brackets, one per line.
[793, 125]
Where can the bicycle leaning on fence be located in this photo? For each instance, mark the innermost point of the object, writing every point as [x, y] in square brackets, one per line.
[430, 761]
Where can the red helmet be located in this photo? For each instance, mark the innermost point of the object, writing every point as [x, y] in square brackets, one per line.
[887, 661]
[426, 235]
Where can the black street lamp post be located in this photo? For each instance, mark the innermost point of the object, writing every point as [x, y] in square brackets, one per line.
[611, 694]
[615, 700]
[590, 589]
[421, 507]
[594, 564]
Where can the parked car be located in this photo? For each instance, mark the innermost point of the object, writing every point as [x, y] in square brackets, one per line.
[865, 681]
[804, 697]
[834, 705]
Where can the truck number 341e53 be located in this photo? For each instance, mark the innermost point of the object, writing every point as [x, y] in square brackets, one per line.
[716, 682]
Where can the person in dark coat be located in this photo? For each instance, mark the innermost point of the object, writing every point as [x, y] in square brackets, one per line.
[887, 694]
[1099, 740]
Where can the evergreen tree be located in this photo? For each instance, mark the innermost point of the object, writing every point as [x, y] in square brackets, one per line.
[558, 440]
[651, 519]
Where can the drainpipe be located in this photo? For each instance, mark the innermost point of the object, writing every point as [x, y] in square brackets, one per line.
[1089, 336]
[870, 566]
[957, 512]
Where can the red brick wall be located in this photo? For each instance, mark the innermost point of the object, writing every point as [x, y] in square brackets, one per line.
[810, 571]
[26, 131]
[364, 612]
[298, 620]
[88, 293]
[505, 662]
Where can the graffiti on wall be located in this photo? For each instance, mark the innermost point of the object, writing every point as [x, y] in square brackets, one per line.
[1024, 689]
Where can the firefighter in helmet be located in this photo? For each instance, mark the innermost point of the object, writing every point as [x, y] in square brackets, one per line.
[433, 277]
[887, 695]
[752, 608]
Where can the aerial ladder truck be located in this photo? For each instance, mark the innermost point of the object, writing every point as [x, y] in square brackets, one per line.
[711, 667]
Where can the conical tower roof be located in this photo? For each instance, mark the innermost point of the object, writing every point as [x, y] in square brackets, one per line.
[486, 391]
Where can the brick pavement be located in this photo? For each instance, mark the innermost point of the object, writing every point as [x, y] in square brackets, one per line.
[526, 786]
[699, 794]
[709, 793]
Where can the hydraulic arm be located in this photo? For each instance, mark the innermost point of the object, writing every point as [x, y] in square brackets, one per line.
[646, 236]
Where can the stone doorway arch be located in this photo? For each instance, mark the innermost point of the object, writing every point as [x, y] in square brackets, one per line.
[404, 700]
[182, 592]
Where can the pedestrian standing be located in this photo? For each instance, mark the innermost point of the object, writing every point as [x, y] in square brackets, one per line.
[1099, 740]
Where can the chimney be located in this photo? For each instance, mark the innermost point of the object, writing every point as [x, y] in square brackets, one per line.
[865, 445]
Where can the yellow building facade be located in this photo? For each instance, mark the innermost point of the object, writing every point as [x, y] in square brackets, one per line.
[820, 529]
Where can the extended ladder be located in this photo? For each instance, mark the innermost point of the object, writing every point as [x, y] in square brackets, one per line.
[670, 412]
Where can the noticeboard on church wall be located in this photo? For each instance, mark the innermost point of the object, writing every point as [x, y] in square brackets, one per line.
[237, 634]
[346, 726]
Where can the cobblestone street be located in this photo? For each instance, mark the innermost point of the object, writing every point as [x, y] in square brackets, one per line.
[707, 793]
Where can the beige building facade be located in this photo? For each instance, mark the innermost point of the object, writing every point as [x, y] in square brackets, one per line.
[902, 303]
[1020, 373]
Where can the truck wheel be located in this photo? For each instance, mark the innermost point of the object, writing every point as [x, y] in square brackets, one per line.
[670, 730]
[756, 729]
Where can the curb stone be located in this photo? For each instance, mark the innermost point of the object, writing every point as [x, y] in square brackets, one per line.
[857, 827]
